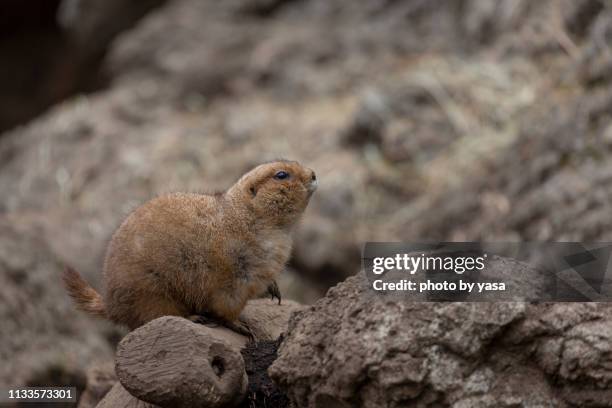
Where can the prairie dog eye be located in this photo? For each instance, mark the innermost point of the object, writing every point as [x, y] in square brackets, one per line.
[281, 175]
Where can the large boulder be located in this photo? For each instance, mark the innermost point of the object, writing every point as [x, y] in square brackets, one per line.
[358, 348]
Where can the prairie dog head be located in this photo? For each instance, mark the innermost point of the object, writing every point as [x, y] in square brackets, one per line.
[277, 191]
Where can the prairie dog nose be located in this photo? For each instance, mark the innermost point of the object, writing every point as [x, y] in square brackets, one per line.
[312, 186]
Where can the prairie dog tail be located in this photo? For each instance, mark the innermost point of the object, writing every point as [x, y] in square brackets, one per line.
[84, 296]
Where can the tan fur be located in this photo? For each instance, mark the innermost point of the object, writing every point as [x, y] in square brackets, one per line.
[184, 254]
[85, 297]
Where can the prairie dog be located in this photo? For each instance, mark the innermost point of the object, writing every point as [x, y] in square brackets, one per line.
[187, 254]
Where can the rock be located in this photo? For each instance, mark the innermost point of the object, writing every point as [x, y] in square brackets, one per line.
[119, 397]
[356, 348]
[267, 319]
[173, 362]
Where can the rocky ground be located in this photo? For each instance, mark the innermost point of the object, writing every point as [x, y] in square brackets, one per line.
[423, 119]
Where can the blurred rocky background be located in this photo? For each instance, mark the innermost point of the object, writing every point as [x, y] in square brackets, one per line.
[424, 119]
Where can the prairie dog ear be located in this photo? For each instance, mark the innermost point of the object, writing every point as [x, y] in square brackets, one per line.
[253, 191]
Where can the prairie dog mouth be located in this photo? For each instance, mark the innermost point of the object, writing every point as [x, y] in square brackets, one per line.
[312, 186]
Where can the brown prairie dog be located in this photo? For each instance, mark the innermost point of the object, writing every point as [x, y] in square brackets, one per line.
[187, 254]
